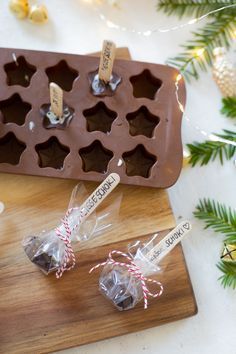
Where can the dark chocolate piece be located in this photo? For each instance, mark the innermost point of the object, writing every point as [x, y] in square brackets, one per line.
[19, 71]
[42, 254]
[99, 118]
[101, 88]
[126, 303]
[11, 149]
[120, 287]
[52, 153]
[14, 110]
[138, 162]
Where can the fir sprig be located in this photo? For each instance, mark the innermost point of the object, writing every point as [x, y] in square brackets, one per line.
[218, 217]
[193, 8]
[228, 279]
[198, 52]
[209, 150]
[229, 107]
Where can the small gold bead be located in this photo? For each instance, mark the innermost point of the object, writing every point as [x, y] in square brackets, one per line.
[20, 8]
[38, 14]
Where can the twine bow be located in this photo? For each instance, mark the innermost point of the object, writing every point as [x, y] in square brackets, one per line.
[69, 256]
[135, 271]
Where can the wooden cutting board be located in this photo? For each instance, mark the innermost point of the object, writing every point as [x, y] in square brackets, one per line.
[40, 314]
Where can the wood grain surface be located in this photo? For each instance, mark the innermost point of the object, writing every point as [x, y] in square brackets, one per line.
[40, 314]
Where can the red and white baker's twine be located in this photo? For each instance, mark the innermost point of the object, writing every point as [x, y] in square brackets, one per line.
[135, 271]
[69, 256]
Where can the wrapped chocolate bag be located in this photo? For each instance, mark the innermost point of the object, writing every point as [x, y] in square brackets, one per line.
[124, 280]
[53, 250]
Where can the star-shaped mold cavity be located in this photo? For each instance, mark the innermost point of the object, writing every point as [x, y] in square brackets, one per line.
[14, 110]
[99, 118]
[145, 85]
[62, 74]
[52, 153]
[11, 149]
[142, 122]
[95, 157]
[19, 72]
[138, 161]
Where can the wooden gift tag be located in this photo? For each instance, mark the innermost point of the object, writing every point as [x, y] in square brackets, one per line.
[106, 61]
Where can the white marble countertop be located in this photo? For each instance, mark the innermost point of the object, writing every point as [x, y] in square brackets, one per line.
[75, 28]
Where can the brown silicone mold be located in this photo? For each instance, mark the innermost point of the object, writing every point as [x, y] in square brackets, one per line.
[135, 132]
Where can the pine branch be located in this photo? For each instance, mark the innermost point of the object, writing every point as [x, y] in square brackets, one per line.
[193, 8]
[218, 217]
[198, 53]
[229, 107]
[228, 279]
[209, 150]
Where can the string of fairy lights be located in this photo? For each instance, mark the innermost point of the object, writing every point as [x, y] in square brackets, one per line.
[197, 53]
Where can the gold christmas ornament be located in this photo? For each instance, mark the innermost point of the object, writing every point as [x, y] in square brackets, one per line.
[229, 253]
[38, 14]
[20, 8]
[224, 73]
[186, 158]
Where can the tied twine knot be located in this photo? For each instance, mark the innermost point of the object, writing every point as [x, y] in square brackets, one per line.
[65, 236]
[135, 271]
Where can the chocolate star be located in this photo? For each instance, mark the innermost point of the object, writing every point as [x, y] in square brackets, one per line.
[138, 162]
[11, 149]
[14, 110]
[52, 153]
[62, 75]
[145, 85]
[19, 72]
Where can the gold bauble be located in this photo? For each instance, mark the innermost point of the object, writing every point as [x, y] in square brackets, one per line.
[224, 73]
[20, 8]
[38, 14]
[186, 158]
[229, 253]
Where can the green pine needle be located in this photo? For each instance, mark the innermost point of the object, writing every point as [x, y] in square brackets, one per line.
[193, 8]
[218, 217]
[209, 150]
[228, 279]
[229, 107]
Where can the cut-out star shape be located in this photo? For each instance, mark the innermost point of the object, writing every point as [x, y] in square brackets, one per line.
[14, 110]
[138, 162]
[19, 72]
[142, 122]
[95, 157]
[145, 85]
[11, 149]
[99, 118]
[62, 74]
[52, 153]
